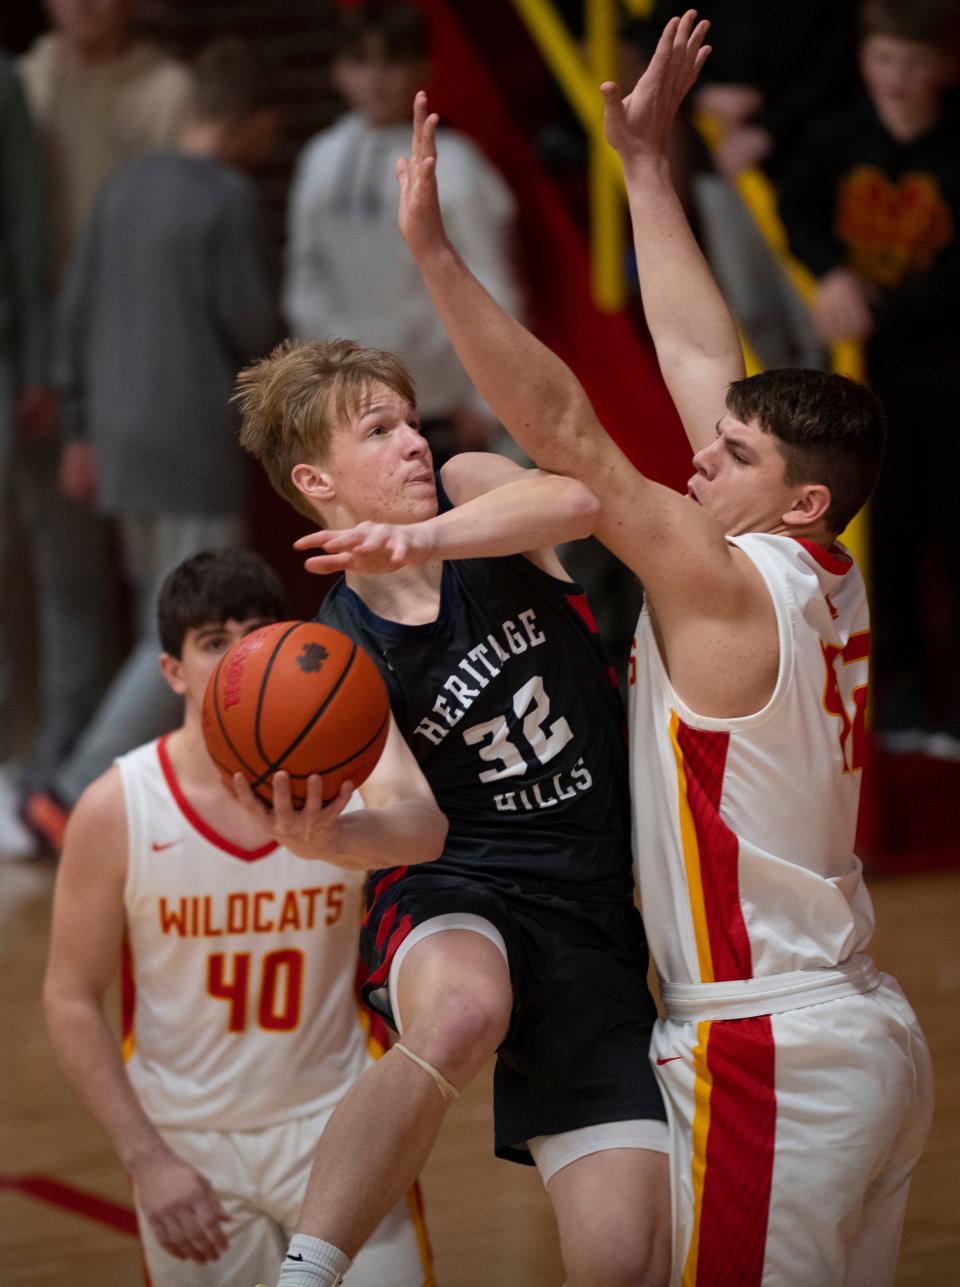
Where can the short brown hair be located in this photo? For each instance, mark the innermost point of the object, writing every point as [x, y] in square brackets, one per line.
[214, 587]
[829, 430]
[230, 81]
[290, 401]
[925, 22]
[401, 28]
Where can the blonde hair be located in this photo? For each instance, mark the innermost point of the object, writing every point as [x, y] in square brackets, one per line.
[290, 401]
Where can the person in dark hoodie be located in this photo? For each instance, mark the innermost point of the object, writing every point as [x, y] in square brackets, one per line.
[871, 203]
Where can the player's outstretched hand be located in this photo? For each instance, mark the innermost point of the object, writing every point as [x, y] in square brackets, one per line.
[421, 223]
[638, 126]
[368, 547]
[313, 831]
[184, 1212]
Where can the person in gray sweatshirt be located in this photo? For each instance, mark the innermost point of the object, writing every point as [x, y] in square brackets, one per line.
[169, 293]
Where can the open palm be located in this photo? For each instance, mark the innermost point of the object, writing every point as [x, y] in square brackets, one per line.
[639, 124]
[421, 223]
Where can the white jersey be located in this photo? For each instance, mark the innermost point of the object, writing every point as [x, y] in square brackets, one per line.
[241, 1011]
[744, 828]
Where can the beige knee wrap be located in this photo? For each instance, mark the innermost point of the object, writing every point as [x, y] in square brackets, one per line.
[446, 1088]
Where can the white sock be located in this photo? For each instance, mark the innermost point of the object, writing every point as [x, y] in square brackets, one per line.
[311, 1262]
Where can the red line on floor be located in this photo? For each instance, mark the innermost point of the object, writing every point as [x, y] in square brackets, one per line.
[116, 1215]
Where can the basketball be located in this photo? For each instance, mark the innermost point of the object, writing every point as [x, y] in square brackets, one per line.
[300, 697]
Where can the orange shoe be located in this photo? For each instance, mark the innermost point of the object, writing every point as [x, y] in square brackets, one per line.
[44, 816]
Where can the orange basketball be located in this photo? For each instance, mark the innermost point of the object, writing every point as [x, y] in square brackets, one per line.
[300, 697]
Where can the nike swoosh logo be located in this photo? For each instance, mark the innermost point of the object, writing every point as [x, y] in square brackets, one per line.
[668, 1060]
[159, 848]
[291, 1256]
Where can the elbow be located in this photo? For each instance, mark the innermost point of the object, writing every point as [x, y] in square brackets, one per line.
[435, 836]
[439, 839]
[53, 1003]
[584, 508]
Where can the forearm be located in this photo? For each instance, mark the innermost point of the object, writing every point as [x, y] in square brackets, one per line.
[692, 329]
[92, 1062]
[394, 835]
[528, 388]
[536, 512]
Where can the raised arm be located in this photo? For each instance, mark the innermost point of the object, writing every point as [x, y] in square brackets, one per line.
[675, 547]
[499, 508]
[85, 948]
[697, 345]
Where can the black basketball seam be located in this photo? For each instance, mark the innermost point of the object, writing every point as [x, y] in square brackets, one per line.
[224, 768]
[278, 762]
[263, 687]
[216, 709]
[330, 768]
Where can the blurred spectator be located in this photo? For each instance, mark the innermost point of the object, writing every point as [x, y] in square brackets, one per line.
[168, 294]
[772, 66]
[348, 272]
[99, 97]
[871, 203]
[28, 406]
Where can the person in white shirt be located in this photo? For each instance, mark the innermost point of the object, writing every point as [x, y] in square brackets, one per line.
[348, 272]
[99, 95]
[796, 1078]
[241, 1026]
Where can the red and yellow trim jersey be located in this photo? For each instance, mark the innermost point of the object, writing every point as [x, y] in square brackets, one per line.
[240, 1000]
[744, 828]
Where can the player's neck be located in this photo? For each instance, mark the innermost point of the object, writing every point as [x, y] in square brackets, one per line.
[818, 534]
[198, 779]
[189, 757]
[410, 596]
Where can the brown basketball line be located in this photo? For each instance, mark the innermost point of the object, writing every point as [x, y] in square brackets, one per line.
[226, 736]
[329, 768]
[263, 686]
[272, 767]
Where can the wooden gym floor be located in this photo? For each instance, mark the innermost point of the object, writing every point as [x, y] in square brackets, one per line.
[63, 1199]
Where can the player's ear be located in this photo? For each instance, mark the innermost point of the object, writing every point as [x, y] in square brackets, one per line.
[172, 670]
[810, 505]
[315, 483]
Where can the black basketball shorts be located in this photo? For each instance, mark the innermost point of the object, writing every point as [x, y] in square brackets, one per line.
[577, 1050]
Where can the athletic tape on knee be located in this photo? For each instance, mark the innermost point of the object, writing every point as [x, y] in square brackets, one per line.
[446, 1088]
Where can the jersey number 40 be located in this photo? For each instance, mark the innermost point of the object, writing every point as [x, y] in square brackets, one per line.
[277, 992]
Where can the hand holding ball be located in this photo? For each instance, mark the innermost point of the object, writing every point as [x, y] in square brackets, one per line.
[300, 697]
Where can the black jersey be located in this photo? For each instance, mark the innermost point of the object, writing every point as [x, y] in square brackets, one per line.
[511, 709]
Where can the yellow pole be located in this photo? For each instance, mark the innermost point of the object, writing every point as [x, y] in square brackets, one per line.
[606, 205]
[577, 81]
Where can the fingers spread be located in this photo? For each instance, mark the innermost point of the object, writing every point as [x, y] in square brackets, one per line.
[429, 142]
[282, 798]
[246, 796]
[324, 564]
[313, 540]
[419, 116]
[314, 805]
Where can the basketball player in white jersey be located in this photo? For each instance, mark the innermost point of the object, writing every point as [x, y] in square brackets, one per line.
[241, 1025]
[796, 1077]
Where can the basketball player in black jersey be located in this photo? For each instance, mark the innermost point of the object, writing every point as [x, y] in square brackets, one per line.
[522, 938]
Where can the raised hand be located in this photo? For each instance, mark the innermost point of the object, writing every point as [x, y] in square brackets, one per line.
[368, 547]
[421, 223]
[638, 126]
